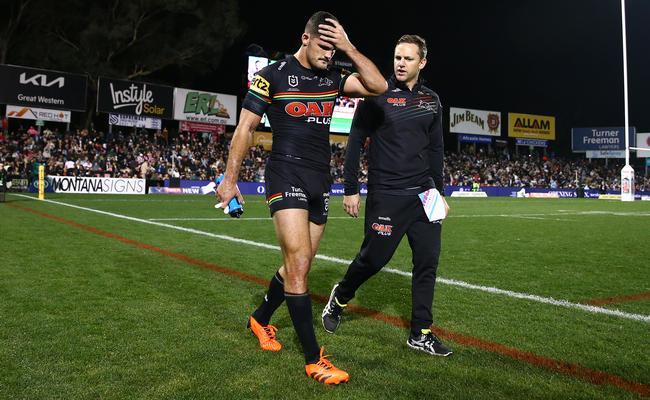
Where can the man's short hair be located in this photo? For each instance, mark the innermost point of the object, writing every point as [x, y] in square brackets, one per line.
[416, 40]
[316, 19]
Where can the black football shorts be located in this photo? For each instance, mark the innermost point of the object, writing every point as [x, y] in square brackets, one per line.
[291, 186]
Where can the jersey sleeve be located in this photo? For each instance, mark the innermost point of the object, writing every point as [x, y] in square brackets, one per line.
[436, 150]
[258, 97]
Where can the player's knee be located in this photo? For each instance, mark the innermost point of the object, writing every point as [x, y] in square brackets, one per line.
[297, 264]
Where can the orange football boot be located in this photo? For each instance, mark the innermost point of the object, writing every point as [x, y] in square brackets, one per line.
[324, 371]
[265, 334]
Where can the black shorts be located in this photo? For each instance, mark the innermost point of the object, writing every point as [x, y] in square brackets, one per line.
[291, 186]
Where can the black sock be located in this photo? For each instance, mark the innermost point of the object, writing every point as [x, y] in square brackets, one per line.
[300, 311]
[272, 300]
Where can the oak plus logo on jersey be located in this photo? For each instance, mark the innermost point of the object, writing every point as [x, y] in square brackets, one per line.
[41, 80]
[135, 98]
[382, 229]
[397, 101]
[318, 112]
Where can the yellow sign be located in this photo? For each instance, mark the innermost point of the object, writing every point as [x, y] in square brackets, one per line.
[41, 182]
[263, 138]
[531, 126]
[343, 139]
[260, 85]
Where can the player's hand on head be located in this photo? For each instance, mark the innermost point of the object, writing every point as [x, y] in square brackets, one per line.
[335, 34]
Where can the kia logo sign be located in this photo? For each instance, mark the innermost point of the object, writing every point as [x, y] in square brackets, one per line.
[41, 80]
[32, 87]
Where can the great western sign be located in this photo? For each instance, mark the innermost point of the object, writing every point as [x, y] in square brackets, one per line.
[135, 98]
[31, 87]
[600, 139]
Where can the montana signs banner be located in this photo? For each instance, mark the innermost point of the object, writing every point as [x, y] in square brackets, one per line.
[31, 87]
[474, 122]
[531, 126]
[77, 184]
[211, 108]
[135, 98]
[34, 113]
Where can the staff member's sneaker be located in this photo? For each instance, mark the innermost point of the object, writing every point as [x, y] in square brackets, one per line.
[428, 343]
[324, 371]
[331, 315]
[265, 334]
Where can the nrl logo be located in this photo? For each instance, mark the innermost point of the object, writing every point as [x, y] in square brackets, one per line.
[293, 80]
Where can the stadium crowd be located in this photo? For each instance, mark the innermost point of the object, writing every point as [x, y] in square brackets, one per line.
[156, 156]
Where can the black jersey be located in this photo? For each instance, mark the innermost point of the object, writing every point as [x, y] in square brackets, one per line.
[406, 143]
[299, 103]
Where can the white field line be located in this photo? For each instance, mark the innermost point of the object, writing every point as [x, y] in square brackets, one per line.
[343, 218]
[226, 219]
[453, 282]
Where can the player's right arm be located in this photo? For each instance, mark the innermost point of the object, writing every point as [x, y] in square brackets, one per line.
[241, 141]
[368, 81]
[255, 104]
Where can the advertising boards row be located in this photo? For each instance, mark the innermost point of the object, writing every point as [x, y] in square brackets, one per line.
[481, 125]
[48, 95]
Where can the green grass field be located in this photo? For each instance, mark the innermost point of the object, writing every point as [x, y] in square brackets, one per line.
[96, 305]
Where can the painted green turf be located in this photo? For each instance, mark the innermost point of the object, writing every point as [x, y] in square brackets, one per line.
[84, 316]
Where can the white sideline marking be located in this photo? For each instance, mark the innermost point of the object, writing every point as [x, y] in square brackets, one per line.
[453, 282]
[227, 219]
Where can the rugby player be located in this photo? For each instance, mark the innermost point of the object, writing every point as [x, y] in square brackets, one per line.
[298, 95]
[405, 159]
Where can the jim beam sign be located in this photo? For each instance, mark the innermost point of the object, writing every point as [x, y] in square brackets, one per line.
[474, 122]
[135, 98]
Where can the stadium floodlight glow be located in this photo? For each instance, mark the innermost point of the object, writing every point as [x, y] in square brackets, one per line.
[627, 173]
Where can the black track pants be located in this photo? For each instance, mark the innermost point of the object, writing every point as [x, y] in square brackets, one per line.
[388, 218]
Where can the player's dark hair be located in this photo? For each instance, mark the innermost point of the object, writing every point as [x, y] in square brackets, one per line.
[316, 19]
[416, 40]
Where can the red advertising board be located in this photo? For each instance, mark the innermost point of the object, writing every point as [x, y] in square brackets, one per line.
[186, 126]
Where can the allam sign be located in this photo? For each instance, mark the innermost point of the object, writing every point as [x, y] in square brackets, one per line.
[135, 98]
[32, 87]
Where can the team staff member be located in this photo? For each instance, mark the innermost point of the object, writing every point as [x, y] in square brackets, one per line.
[298, 96]
[405, 159]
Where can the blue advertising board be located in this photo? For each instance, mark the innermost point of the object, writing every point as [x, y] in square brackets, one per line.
[532, 142]
[474, 138]
[600, 138]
